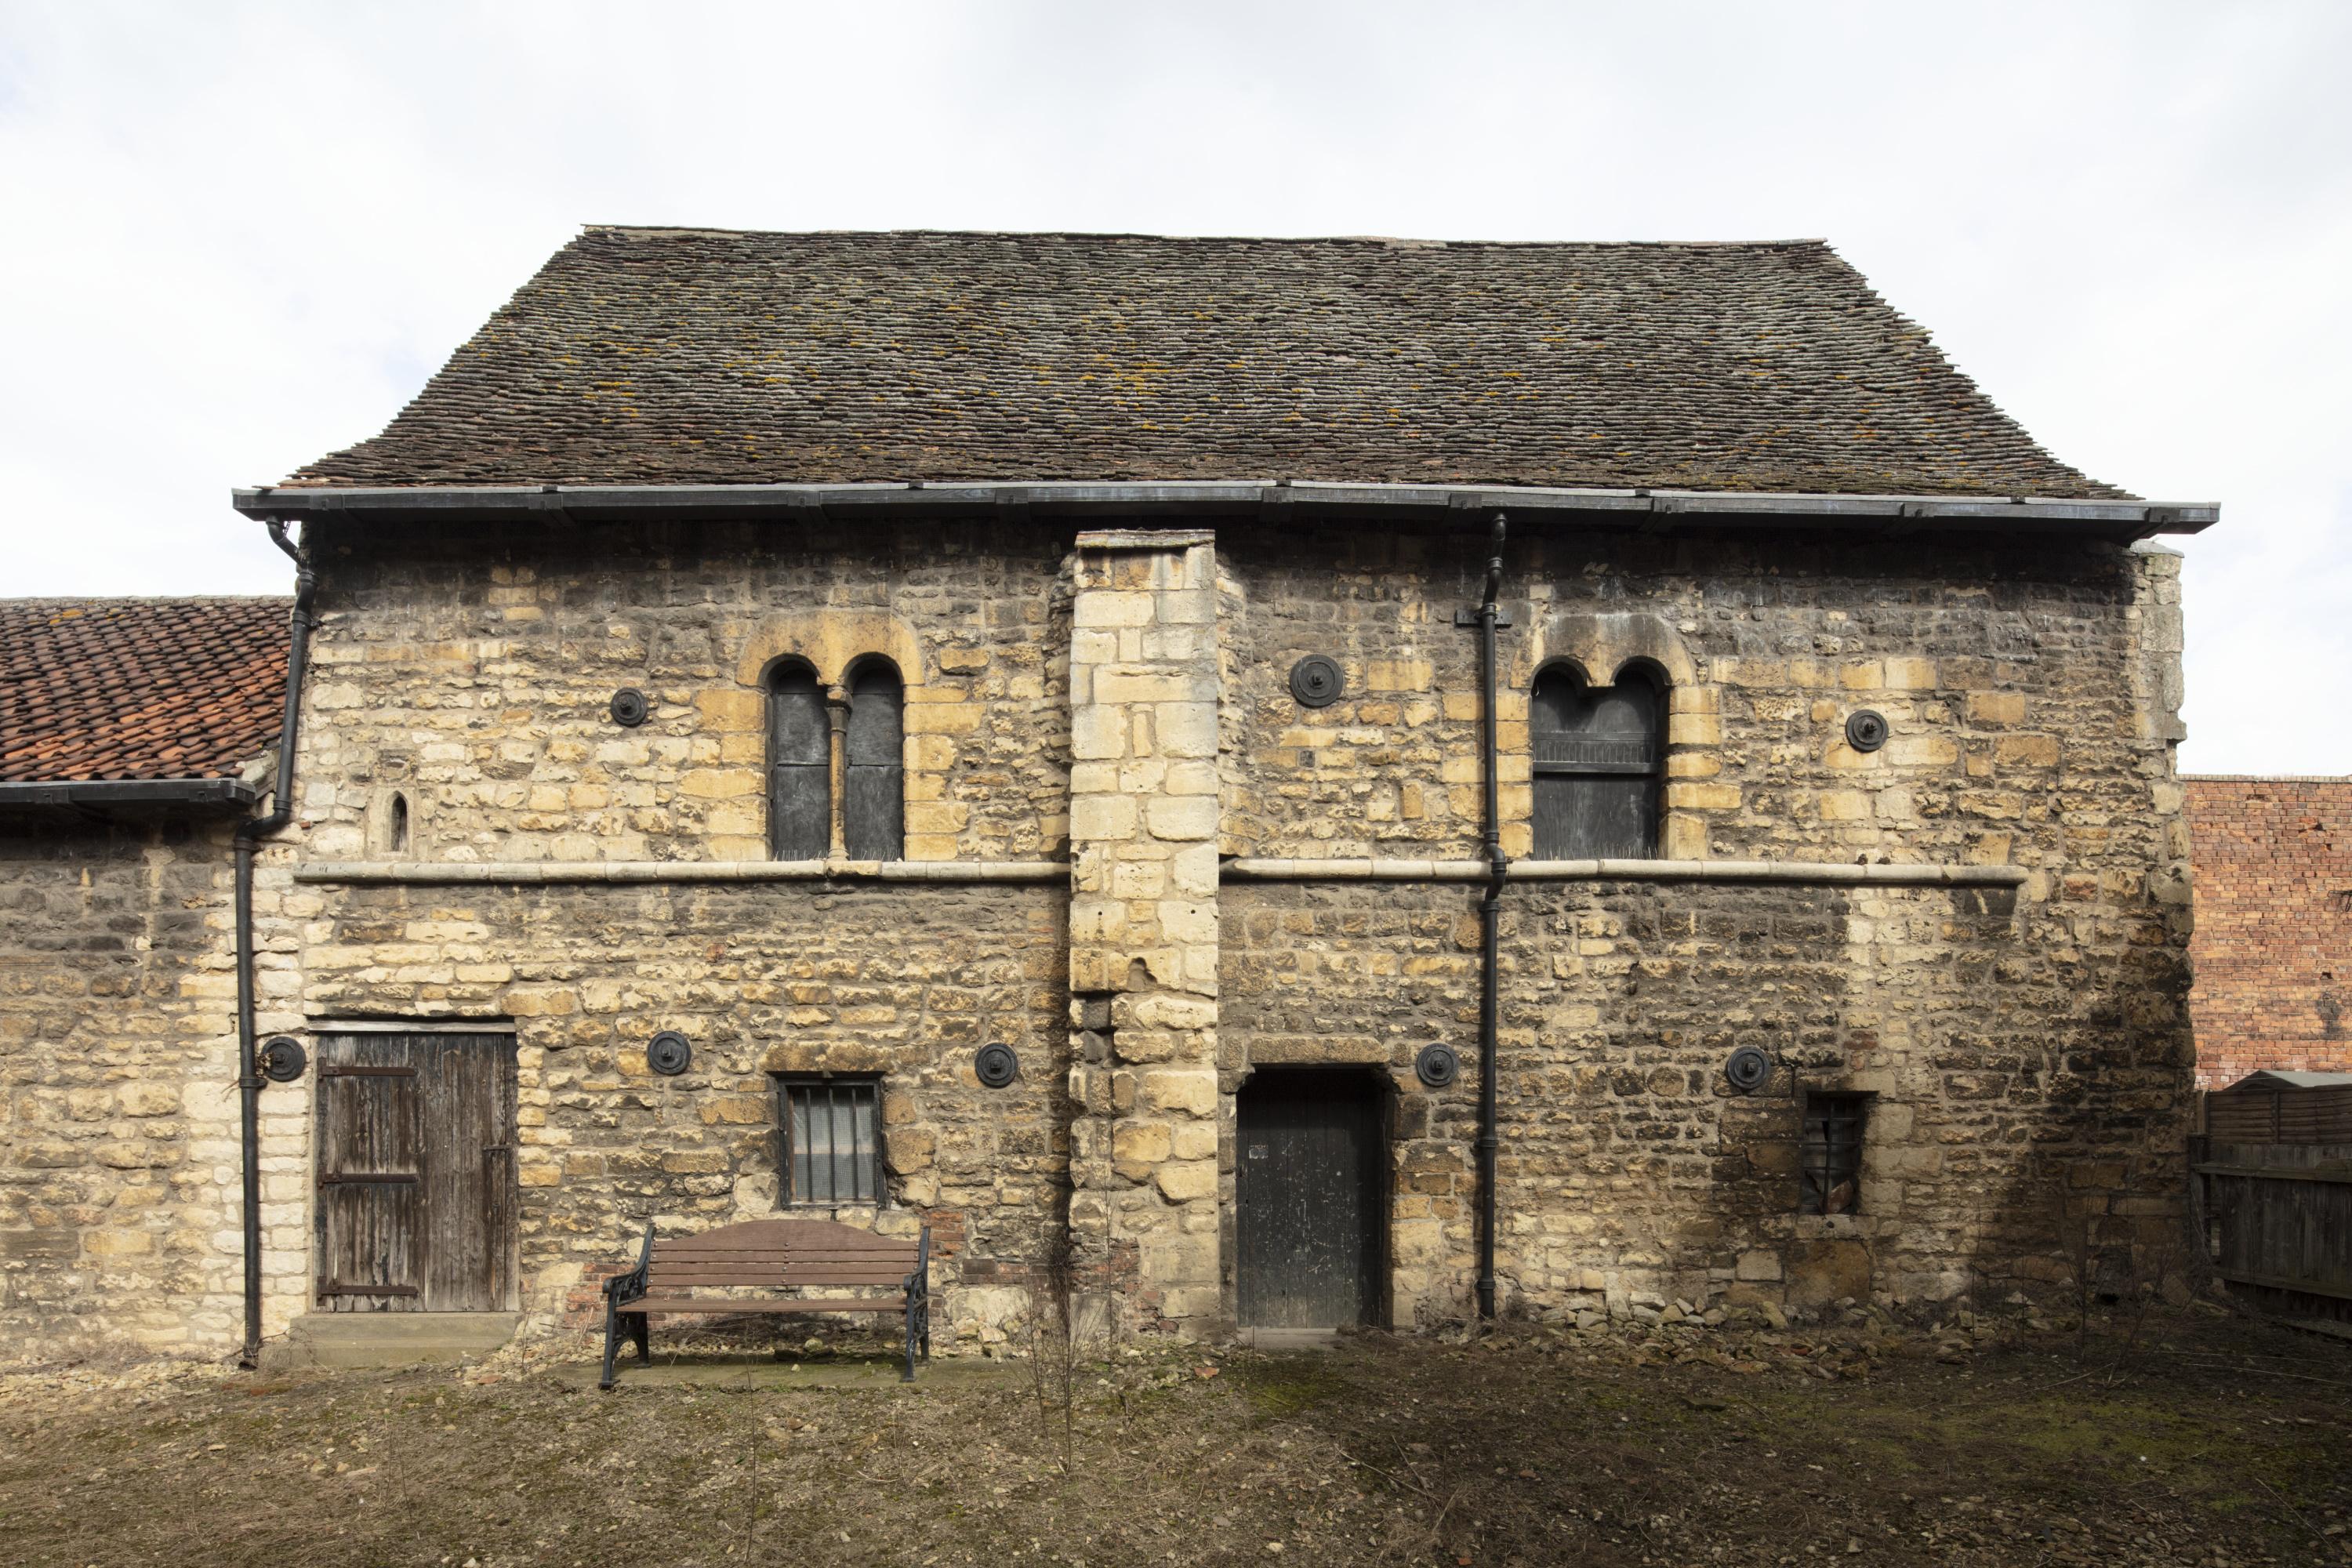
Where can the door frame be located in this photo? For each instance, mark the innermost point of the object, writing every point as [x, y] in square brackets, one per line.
[1381, 1085]
[509, 1268]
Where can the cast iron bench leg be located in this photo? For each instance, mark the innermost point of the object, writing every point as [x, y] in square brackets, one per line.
[612, 1339]
[640, 1326]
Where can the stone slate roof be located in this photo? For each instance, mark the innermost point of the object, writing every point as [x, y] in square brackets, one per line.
[670, 356]
[138, 689]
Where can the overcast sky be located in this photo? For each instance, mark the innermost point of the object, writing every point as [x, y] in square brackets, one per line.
[240, 236]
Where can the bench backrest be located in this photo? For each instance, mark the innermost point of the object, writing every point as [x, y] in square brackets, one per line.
[776, 1254]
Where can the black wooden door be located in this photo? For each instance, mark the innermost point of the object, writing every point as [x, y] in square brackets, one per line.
[1312, 1198]
[416, 1174]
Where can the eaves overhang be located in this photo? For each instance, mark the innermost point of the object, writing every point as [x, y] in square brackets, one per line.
[101, 794]
[1631, 511]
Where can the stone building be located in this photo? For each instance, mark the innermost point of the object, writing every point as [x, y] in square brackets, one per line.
[133, 734]
[833, 655]
[2272, 949]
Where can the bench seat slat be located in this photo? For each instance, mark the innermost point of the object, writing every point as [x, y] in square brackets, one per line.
[692, 1275]
[714, 1241]
[689, 1247]
[806, 1304]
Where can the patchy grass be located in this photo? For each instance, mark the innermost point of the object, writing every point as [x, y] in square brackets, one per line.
[2209, 1442]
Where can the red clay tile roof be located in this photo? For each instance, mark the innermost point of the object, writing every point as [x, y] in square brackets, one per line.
[138, 689]
[696, 356]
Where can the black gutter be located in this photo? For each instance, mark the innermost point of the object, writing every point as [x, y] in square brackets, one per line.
[1639, 510]
[1490, 915]
[103, 792]
[250, 834]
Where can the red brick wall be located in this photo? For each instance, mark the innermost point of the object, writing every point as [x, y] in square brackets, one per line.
[2272, 949]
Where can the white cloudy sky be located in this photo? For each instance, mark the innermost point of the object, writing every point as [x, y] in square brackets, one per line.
[239, 235]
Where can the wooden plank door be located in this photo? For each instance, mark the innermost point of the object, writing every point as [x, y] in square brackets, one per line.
[415, 1165]
[1310, 1194]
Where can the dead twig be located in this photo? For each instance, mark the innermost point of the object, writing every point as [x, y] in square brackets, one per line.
[2308, 1528]
[1389, 1475]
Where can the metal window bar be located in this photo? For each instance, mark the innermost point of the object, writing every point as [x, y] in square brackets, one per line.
[834, 1151]
[1829, 1155]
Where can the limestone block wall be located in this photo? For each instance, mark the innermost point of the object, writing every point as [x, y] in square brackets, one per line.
[906, 983]
[2006, 1112]
[119, 1171]
[469, 670]
[1143, 937]
[2018, 679]
[2029, 1054]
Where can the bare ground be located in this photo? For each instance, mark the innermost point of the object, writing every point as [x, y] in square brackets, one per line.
[2193, 1439]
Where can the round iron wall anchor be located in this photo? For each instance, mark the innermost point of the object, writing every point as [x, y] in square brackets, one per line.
[1747, 1071]
[1437, 1066]
[629, 706]
[1316, 681]
[668, 1053]
[1865, 729]
[282, 1059]
[995, 1064]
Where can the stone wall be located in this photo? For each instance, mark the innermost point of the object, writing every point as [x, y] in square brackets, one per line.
[903, 983]
[1143, 923]
[2006, 1112]
[1121, 699]
[2026, 728]
[469, 670]
[2028, 1053]
[118, 1174]
[2273, 943]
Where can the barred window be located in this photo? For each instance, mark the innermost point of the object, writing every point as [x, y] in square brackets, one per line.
[1829, 1157]
[800, 766]
[833, 1146]
[1598, 763]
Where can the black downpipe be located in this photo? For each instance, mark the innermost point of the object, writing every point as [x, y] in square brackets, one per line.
[250, 834]
[1490, 915]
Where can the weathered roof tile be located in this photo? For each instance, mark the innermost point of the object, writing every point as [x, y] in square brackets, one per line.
[138, 689]
[672, 356]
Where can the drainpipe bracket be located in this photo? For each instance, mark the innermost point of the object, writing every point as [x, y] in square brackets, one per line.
[1469, 618]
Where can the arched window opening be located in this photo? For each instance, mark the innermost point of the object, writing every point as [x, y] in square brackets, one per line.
[800, 766]
[875, 813]
[1599, 763]
[396, 833]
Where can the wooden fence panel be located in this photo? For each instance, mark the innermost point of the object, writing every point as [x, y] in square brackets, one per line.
[2278, 1221]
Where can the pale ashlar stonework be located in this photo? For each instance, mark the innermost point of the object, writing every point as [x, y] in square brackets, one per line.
[1120, 702]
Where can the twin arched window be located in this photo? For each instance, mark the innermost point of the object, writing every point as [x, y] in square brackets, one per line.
[1600, 763]
[836, 773]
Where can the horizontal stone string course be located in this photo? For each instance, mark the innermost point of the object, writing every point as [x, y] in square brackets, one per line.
[1268, 869]
[1244, 869]
[393, 873]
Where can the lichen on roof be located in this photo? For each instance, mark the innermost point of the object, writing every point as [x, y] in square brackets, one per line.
[1011, 357]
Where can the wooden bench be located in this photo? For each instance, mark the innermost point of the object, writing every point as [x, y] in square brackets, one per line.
[763, 1258]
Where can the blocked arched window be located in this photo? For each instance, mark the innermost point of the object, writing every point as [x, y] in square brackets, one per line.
[1600, 763]
[874, 815]
[800, 766]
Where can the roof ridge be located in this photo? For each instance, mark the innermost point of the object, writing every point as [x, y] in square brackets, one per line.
[689, 231]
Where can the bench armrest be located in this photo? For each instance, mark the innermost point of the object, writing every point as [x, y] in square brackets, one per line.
[630, 1286]
[918, 1284]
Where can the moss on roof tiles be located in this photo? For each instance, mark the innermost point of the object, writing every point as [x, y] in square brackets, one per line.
[1766, 366]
